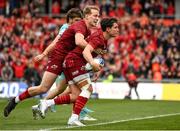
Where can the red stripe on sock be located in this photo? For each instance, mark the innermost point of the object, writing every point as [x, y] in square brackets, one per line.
[80, 103]
[24, 95]
[64, 99]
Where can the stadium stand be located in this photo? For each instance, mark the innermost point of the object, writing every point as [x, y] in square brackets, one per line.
[149, 36]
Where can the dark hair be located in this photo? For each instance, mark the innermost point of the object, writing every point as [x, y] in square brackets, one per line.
[88, 8]
[73, 13]
[107, 22]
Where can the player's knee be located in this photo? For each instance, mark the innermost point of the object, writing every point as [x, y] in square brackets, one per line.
[86, 91]
[76, 94]
[86, 85]
[74, 97]
[86, 88]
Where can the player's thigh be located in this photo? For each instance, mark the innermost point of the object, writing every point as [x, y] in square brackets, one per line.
[85, 84]
[48, 79]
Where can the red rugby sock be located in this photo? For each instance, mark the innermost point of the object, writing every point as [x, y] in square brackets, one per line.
[64, 99]
[79, 104]
[24, 95]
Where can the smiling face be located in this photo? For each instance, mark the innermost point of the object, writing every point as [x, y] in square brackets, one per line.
[91, 14]
[93, 17]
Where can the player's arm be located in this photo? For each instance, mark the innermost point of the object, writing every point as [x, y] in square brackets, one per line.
[97, 75]
[51, 46]
[80, 41]
[38, 58]
[89, 58]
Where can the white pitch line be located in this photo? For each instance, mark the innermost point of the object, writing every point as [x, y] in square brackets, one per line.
[113, 122]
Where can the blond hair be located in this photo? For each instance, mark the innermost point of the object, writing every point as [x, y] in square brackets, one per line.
[88, 8]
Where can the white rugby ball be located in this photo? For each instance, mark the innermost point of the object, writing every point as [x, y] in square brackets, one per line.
[98, 60]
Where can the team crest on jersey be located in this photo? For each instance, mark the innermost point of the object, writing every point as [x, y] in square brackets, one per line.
[54, 67]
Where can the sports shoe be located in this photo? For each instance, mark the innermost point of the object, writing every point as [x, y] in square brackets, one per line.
[10, 106]
[87, 118]
[42, 108]
[35, 110]
[75, 123]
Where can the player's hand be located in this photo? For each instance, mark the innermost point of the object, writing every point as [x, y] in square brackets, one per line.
[39, 58]
[96, 76]
[96, 67]
[100, 51]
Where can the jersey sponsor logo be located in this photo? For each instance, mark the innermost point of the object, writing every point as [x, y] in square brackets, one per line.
[75, 72]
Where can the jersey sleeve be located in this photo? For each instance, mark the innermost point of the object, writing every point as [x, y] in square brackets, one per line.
[62, 29]
[80, 28]
[95, 42]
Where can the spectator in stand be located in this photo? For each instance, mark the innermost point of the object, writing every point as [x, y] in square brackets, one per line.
[170, 10]
[2, 7]
[131, 78]
[56, 8]
[112, 12]
[7, 72]
[88, 2]
[19, 68]
[31, 76]
[71, 4]
[144, 20]
[120, 10]
[104, 7]
[128, 5]
[157, 8]
[136, 7]
[39, 6]
[157, 77]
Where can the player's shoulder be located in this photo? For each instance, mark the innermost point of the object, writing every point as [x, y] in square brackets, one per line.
[99, 31]
[64, 26]
[79, 23]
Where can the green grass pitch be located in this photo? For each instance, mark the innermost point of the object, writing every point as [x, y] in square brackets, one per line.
[111, 115]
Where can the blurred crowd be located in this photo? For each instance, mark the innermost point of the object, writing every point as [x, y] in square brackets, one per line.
[157, 8]
[21, 39]
[149, 49]
[147, 45]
